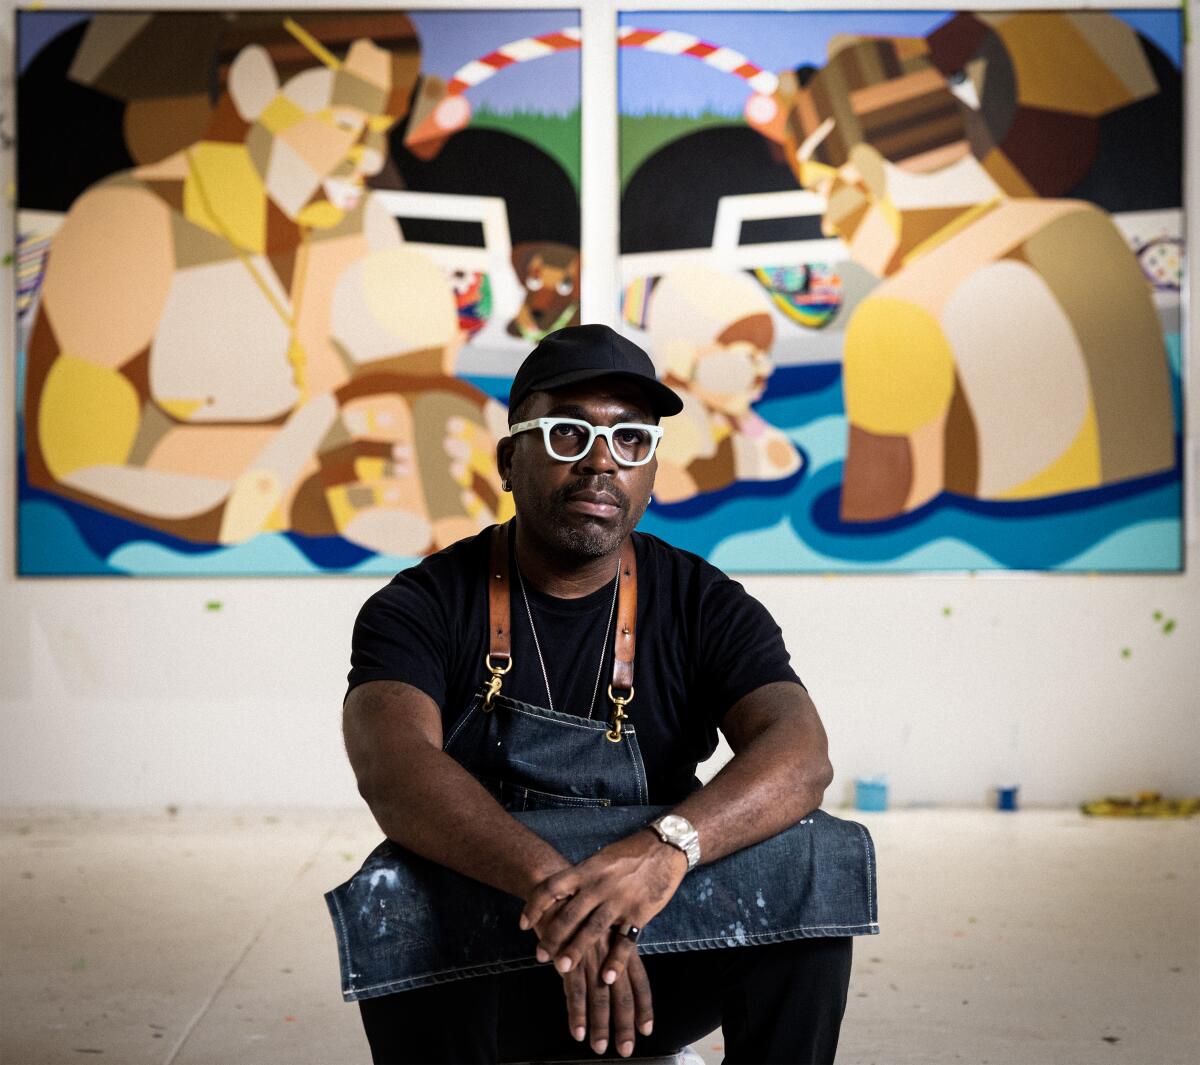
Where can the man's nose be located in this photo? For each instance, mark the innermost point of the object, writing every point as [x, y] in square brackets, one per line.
[599, 458]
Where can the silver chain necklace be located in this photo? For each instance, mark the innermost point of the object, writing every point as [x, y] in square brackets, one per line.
[603, 646]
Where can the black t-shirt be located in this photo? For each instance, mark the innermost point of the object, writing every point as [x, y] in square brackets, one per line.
[703, 642]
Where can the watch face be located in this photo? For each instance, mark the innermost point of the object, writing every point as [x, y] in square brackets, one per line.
[674, 825]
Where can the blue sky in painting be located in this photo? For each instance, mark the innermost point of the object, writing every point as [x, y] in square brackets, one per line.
[781, 40]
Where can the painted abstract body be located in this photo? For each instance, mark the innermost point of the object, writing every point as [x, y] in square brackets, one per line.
[955, 226]
[237, 337]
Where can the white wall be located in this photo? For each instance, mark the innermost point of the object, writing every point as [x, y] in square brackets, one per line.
[135, 693]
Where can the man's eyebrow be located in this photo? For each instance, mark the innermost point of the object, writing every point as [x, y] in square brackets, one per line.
[573, 410]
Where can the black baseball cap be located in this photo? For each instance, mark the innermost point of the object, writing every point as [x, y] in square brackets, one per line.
[581, 352]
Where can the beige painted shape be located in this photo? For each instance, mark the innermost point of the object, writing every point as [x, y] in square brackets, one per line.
[373, 64]
[105, 37]
[379, 228]
[108, 274]
[1022, 369]
[432, 411]
[290, 181]
[323, 263]
[253, 83]
[393, 302]
[930, 280]
[961, 184]
[695, 303]
[207, 450]
[1099, 284]
[390, 530]
[687, 435]
[1116, 44]
[310, 90]
[764, 453]
[150, 492]
[221, 342]
[320, 144]
[875, 241]
[927, 452]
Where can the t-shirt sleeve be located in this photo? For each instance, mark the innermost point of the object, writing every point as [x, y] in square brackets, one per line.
[741, 647]
[401, 634]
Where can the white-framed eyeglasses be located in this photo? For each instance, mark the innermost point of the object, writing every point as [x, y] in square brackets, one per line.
[568, 439]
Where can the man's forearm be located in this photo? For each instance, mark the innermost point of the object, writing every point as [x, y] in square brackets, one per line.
[773, 781]
[435, 808]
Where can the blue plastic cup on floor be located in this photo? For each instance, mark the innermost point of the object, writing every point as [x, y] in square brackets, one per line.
[870, 795]
[1006, 798]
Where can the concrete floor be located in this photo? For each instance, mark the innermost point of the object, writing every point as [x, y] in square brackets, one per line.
[200, 938]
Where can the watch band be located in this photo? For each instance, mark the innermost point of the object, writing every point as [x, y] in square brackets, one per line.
[687, 840]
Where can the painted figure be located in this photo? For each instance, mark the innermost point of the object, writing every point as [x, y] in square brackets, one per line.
[1013, 349]
[233, 339]
[549, 274]
[711, 333]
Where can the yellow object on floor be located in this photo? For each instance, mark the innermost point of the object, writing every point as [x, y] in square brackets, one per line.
[1147, 804]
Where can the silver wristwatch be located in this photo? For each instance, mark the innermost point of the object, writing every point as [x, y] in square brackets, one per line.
[678, 832]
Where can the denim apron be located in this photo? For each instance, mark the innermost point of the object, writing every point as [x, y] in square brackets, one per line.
[404, 922]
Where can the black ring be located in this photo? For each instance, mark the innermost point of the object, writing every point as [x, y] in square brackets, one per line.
[632, 933]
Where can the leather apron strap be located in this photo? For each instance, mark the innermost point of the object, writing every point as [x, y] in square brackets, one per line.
[499, 657]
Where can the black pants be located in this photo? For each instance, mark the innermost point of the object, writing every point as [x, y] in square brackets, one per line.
[777, 1003]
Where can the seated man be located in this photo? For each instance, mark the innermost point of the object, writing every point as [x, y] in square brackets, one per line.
[453, 758]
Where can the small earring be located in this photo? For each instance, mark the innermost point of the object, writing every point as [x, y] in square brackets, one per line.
[506, 485]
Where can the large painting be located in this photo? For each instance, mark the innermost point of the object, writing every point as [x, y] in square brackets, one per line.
[917, 276]
[275, 271]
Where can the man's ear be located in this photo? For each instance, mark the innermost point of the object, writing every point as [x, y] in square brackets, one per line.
[504, 450]
[253, 82]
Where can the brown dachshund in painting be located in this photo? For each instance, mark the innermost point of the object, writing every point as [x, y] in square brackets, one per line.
[550, 275]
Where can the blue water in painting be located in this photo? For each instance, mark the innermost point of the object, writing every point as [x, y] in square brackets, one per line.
[782, 527]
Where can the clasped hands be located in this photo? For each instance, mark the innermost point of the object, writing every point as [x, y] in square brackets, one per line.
[574, 913]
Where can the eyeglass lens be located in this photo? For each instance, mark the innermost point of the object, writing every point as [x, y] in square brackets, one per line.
[630, 442]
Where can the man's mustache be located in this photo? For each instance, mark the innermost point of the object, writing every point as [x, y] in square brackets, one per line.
[593, 484]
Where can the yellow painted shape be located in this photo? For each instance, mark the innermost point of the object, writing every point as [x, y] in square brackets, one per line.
[277, 521]
[311, 43]
[340, 506]
[898, 369]
[88, 416]
[506, 509]
[321, 215]
[1076, 468]
[180, 409]
[224, 194]
[1057, 69]
[369, 469]
[280, 114]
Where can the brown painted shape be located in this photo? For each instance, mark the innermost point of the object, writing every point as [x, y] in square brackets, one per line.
[715, 471]
[876, 476]
[284, 265]
[962, 445]
[1051, 149]
[757, 329]
[171, 55]
[195, 246]
[157, 127]
[1095, 278]
[283, 234]
[956, 41]
[226, 125]
[170, 192]
[105, 38]
[41, 350]
[352, 91]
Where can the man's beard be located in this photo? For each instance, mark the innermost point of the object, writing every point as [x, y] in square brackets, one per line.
[579, 536]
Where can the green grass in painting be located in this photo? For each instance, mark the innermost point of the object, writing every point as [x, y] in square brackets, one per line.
[556, 134]
[643, 135]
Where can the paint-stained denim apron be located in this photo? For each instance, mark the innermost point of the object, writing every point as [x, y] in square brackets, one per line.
[404, 922]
